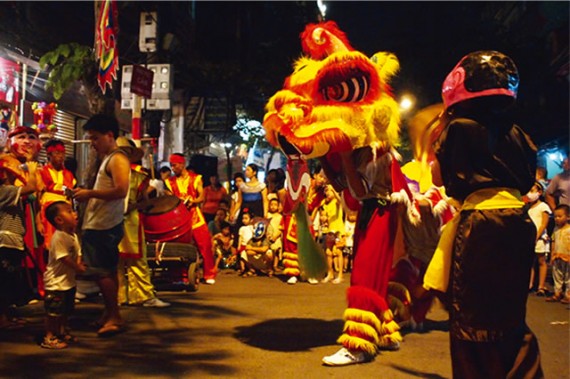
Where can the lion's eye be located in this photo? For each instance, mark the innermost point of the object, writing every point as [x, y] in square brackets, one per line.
[351, 90]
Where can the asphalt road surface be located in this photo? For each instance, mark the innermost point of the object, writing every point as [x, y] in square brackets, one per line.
[255, 327]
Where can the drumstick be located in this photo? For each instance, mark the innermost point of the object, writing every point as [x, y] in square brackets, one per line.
[151, 161]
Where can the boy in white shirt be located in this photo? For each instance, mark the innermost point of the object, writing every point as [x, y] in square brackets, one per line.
[245, 233]
[276, 222]
[63, 264]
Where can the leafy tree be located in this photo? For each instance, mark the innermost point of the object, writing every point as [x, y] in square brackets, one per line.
[72, 62]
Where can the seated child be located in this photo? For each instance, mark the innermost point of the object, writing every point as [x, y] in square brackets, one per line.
[222, 244]
[257, 255]
[59, 278]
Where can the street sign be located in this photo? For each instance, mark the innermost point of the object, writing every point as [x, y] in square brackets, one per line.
[141, 81]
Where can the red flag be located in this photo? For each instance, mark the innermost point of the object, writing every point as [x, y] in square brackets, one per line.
[107, 53]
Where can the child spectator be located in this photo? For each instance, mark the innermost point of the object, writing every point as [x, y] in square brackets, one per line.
[539, 213]
[333, 250]
[244, 235]
[257, 255]
[59, 278]
[349, 227]
[333, 207]
[276, 221]
[321, 225]
[222, 243]
[561, 254]
[215, 225]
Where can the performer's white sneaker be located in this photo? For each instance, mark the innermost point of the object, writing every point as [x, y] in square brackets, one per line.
[345, 357]
[292, 280]
[156, 303]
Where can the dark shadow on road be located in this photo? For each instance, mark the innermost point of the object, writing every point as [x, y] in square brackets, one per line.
[416, 373]
[430, 326]
[145, 353]
[138, 352]
[290, 334]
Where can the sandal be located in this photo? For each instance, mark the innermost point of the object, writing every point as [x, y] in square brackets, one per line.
[110, 330]
[53, 343]
[541, 292]
[553, 299]
[566, 300]
[249, 274]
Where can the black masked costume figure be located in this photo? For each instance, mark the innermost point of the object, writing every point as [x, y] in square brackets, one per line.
[485, 253]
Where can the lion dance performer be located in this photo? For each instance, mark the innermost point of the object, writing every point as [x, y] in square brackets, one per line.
[188, 186]
[408, 299]
[337, 106]
[56, 179]
[24, 146]
[486, 162]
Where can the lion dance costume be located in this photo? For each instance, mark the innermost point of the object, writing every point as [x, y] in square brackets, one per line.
[337, 106]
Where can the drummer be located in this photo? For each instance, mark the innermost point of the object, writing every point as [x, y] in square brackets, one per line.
[188, 186]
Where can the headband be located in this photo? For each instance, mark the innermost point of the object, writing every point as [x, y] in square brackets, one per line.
[22, 129]
[58, 147]
[177, 159]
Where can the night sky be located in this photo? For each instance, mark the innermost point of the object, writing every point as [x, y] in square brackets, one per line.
[428, 37]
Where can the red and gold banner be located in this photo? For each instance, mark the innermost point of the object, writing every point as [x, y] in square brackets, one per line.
[106, 34]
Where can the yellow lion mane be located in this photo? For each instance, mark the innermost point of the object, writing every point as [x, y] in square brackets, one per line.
[341, 102]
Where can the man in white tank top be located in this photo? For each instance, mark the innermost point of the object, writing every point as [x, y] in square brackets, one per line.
[103, 219]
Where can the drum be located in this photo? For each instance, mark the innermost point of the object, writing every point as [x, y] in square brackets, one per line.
[165, 218]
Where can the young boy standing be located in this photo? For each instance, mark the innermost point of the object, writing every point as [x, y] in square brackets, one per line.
[59, 278]
[276, 222]
[561, 254]
[245, 233]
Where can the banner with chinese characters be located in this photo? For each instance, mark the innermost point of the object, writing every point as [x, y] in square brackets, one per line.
[106, 38]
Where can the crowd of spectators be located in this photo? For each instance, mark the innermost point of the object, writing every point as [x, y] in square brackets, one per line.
[245, 227]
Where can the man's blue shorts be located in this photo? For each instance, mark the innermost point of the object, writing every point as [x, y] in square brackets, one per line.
[100, 249]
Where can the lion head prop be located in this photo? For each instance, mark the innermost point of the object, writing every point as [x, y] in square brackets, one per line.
[337, 99]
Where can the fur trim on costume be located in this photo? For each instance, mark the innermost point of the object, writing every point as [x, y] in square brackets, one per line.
[364, 331]
[389, 340]
[361, 330]
[412, 212]
[323, 39]
[291, 263]
[355, 343]
[389, 328]
[360, 316]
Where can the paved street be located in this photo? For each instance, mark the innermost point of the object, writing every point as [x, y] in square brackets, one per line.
[247, 328]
